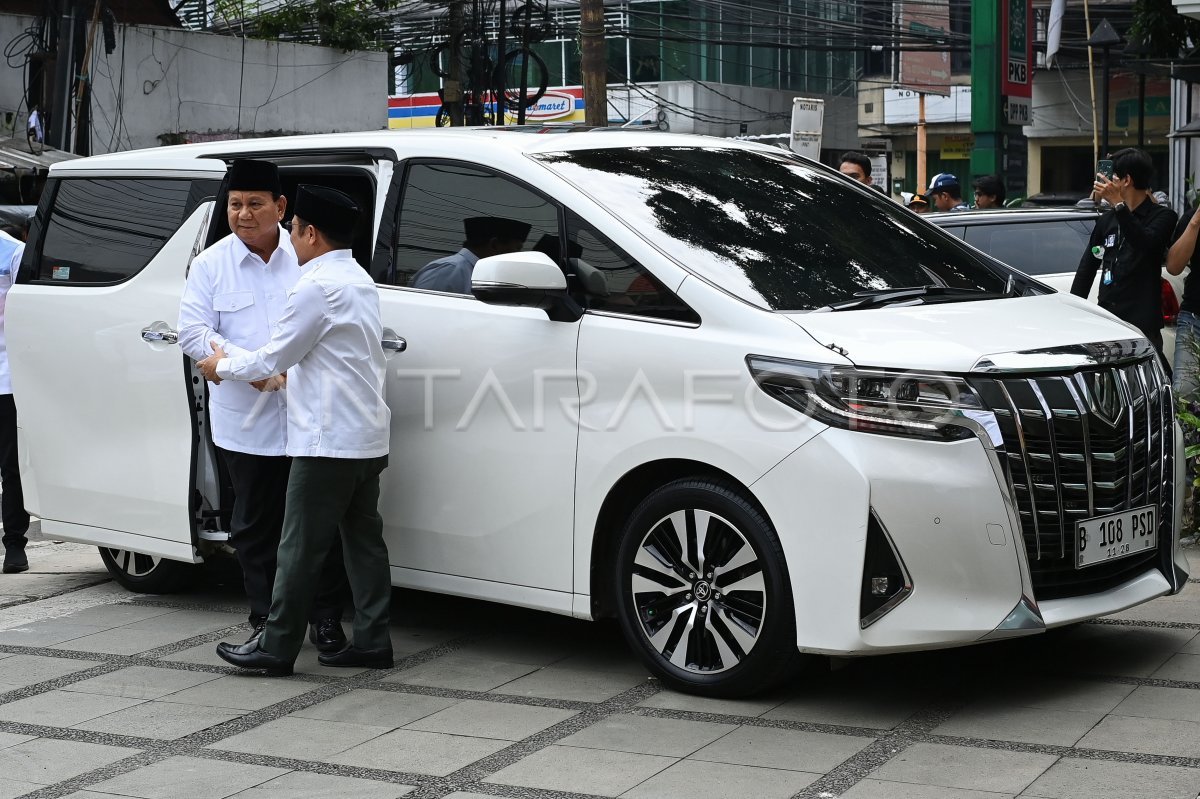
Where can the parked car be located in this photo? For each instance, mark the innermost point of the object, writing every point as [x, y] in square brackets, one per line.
[754, 411]
[16, 215]
[1047, 244]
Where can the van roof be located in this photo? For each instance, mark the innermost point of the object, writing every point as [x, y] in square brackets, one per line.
[505, 140]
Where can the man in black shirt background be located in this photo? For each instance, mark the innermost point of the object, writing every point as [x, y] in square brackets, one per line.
[1128, 245]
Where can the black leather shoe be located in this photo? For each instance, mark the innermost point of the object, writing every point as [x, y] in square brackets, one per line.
[15, 560]
[259, 623]
[328, 635]
[250, 656]
[361, 658]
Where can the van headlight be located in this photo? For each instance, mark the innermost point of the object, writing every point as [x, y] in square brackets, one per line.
[911, 404]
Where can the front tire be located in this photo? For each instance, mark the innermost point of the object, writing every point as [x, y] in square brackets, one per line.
[703, 593]
[147, 574]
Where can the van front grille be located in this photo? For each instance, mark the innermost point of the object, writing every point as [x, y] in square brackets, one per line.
[1080, 445]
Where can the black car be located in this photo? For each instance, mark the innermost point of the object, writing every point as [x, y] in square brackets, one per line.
[1046, 243]
[16, 215]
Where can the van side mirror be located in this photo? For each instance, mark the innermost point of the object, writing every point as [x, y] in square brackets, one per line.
[526, 280]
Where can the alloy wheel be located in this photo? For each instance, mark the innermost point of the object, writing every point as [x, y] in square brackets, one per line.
[699, 591]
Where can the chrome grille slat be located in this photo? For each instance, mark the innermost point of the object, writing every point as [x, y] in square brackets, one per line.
[1079, 444]
[1087, 447]
[1131, 406]
[1053, 457]
[1150, 432]
[1031, 488]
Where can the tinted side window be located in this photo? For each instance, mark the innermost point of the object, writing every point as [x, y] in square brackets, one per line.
[103, 231]
[609, 280]
[439, 197]
[1036, 248]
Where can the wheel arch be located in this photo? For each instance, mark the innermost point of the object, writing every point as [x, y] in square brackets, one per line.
[625, 495]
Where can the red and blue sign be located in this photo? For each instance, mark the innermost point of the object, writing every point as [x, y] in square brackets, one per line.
[560, 104]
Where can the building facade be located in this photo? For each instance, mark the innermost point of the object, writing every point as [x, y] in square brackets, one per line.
[697, 66]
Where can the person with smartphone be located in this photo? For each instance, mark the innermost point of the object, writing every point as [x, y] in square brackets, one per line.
[1128, 245]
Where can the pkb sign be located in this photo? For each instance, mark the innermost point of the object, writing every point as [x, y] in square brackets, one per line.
[1016, 48]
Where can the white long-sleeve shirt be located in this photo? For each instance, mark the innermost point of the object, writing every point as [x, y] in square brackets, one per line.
[234, 298]
[329, 342]
[11, 251]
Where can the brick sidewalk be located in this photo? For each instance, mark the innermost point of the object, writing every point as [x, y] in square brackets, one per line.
[103, 693]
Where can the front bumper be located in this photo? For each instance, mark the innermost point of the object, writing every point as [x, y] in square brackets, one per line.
[953, 522]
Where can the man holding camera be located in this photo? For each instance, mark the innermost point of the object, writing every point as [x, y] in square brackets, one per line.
[1128, 245]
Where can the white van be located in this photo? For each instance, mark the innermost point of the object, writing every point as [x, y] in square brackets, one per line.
[752, 409]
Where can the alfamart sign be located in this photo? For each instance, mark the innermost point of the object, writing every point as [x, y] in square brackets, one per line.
[560, 104]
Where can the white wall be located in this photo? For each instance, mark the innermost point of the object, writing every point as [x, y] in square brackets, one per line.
[163, 85]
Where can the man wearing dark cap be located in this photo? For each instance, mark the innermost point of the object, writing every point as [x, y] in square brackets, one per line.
[329, 341]
[946, 193]
[486, 236]
[235, 293]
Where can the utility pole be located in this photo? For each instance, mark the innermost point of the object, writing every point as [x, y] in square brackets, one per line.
[499, 75]
[594, 62]
[986, 123]
[1104, 37]
[452, 89]
[59, 135]
[83, 94]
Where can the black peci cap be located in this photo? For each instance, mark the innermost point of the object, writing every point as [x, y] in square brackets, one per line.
[248, 175]
[485, 228]
[328, 210]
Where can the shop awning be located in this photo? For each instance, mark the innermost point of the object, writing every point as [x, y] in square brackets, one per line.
[15, 156]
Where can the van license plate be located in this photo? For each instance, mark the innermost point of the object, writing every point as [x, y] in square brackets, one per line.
[1115, 535]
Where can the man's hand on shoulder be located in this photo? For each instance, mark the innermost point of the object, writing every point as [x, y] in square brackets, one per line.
[208, 366]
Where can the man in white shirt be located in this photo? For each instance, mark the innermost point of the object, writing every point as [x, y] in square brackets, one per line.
[486, 236]
[329, 341]
[12, 500]
[236, 291]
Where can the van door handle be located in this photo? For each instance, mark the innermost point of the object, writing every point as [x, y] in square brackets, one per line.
[160, 332]
[396, 344]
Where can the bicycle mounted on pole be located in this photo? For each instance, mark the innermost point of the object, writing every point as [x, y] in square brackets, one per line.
[521, 74]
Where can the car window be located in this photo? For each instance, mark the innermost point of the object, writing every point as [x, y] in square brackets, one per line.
[957, 231]
[1036, 248]
[772, 229]
[101, 231]
[607, 279]
[438, 197]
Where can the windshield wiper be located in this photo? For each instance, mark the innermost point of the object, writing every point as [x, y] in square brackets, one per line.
[917, 294]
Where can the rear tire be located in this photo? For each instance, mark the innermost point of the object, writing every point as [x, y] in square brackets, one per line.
[702, 591]
[147, 574]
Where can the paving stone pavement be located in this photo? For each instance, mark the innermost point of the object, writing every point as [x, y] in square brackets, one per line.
[108, 694]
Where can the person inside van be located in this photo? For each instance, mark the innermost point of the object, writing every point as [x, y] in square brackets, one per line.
[486, 236]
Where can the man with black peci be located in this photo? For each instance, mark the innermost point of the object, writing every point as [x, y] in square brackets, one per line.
[236, 290]
[329, 341]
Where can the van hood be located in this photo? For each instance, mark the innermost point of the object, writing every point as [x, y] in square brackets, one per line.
[953, 337]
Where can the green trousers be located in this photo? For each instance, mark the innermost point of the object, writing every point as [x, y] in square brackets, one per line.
[325, 495]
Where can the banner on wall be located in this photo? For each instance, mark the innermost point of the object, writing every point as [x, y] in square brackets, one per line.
[559, 104]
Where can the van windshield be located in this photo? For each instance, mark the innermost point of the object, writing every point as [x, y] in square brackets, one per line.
[772, 229]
